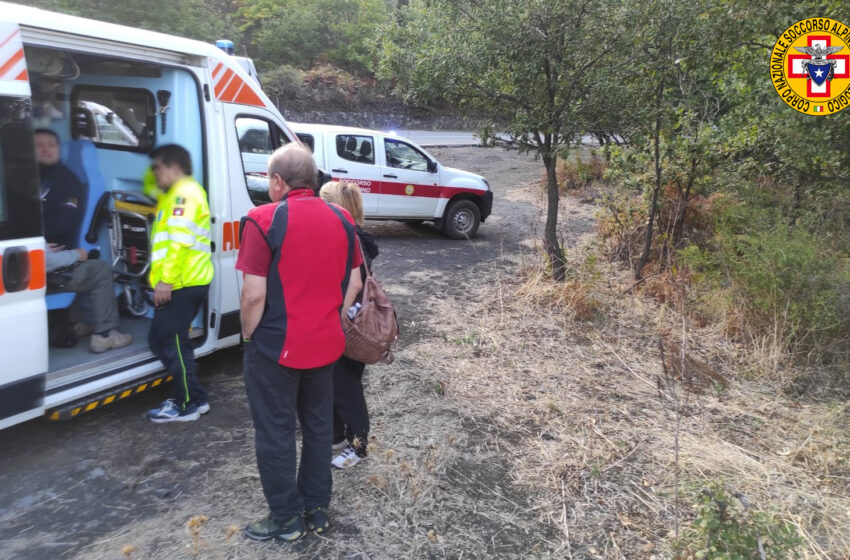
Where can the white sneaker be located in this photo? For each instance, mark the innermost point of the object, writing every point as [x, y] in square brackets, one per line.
[340, 445]
[203, 407]
[347, 459]
[115, 339]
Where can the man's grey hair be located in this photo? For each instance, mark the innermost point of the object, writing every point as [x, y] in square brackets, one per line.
[294, 163]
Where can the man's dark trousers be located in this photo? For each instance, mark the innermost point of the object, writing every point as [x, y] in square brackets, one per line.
[276, 394]
[169, 341]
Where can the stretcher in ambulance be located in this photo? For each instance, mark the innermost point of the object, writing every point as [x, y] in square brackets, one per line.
[113, 93]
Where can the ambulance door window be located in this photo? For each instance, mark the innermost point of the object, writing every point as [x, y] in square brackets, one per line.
[117, 118]
[258, 138]
[20, 207]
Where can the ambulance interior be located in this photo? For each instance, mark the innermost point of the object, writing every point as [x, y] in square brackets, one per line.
[109, 114]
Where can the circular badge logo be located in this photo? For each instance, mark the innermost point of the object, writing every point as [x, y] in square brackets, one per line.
[408, 190]
[810, 66]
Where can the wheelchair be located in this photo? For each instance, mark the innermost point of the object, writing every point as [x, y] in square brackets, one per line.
[130, 235]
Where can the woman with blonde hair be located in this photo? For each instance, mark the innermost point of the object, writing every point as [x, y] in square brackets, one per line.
[351, 417]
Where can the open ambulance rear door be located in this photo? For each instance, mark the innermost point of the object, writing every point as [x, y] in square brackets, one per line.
[23, 314]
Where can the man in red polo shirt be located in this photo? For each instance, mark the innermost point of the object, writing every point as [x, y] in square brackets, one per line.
[301, 267]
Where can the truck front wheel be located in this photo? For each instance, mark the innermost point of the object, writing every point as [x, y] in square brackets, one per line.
[461, 220]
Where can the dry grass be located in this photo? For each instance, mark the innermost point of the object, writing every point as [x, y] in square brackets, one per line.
[591, 437]
[526, 420]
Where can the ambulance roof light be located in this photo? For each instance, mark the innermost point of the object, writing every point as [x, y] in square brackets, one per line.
[225, 44]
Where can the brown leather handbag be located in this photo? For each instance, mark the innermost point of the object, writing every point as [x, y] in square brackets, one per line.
[370, 335]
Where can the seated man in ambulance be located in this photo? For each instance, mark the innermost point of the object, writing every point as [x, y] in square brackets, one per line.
[63, 203]
[92, 277]
[63, 195]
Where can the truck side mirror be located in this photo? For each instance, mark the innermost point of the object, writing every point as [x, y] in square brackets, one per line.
[432, 166]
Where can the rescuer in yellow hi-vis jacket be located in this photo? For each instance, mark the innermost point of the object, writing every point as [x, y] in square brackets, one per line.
[180, 274]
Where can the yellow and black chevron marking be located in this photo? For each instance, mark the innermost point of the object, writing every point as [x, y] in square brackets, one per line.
[74, 409]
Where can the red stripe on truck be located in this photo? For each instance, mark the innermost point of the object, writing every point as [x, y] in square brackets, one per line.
[425, 191]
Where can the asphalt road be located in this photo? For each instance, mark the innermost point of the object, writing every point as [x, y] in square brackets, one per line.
[428, 138]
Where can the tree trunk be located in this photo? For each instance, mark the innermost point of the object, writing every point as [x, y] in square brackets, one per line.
[553, 247]
[653, 208]
[682, 214]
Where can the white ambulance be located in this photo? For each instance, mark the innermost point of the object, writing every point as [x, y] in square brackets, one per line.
[113, 93]
[399, 179]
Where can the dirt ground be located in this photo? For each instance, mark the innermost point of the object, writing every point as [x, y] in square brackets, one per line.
[109, 485]
[520, 419]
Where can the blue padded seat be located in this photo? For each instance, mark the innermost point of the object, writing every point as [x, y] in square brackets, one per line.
[81, 157]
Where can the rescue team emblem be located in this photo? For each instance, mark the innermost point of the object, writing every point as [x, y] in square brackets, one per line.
[810, 66]
[408, 190]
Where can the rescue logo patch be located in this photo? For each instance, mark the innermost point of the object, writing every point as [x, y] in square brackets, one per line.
[810, 66]
[177, 212]
[408, 190]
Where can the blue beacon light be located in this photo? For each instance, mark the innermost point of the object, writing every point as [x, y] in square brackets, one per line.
[226, 45]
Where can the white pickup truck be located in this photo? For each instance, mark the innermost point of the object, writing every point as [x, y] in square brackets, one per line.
[399, 179]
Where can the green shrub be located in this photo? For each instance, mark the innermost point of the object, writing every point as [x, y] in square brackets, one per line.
[778, 280]
[330, 86]
[724, 529]
[284, 82]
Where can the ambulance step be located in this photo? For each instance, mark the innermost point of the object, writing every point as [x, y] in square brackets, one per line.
[74, 409]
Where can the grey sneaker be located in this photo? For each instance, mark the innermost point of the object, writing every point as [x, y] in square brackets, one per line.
[114, 340]
[267, 528]
[168, 411]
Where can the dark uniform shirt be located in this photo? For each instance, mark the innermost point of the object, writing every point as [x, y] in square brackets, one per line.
[63, 204]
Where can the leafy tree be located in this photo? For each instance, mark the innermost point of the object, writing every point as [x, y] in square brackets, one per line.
[527, 64]
[205, 20]
[304, 33]
[668, 102]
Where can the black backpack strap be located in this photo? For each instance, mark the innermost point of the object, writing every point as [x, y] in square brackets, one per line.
[352, 240]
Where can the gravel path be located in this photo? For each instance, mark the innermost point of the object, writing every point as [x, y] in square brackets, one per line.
[109, 485]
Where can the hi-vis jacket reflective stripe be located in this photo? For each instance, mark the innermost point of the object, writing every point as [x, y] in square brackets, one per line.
[180, 237]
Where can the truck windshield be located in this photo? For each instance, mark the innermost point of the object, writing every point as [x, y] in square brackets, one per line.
[20, 207]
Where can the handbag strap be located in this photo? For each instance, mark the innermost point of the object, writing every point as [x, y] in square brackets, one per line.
[363, 256]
